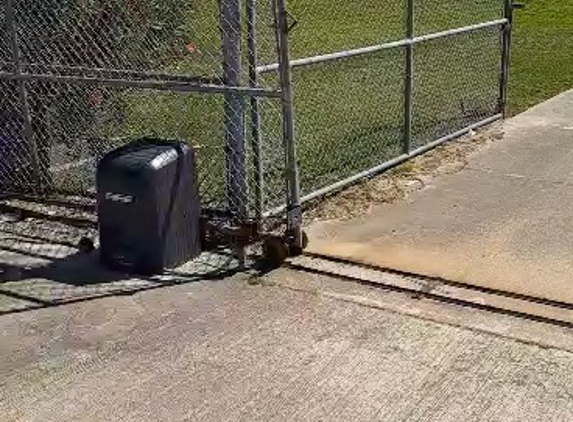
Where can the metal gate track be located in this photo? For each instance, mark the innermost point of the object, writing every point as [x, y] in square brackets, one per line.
[434, 288]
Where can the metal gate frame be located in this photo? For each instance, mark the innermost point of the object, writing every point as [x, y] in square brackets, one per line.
[293, 206]
[246, 220]
[235, 92]
[409, 42]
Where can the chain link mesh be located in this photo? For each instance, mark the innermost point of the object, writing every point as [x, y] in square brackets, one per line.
[432, 16]
[83, 77]
[14, 172]
[66, 48]
[327, 26]
[350, 75]
[349, 116]
[456, 82]
[150, 35]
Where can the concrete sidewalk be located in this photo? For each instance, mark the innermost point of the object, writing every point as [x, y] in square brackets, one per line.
[503, 222]
[294, 347]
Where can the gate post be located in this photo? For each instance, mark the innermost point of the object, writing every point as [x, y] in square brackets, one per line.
[294, 214]
[508, 8]
[23, 98]
[252, 58]
[409, 77]
[235, 168]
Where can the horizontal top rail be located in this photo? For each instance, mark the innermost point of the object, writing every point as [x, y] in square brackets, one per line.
[174, 86]
[111, 73]
[386, 46]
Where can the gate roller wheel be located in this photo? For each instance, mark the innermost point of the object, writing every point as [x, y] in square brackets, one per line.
[275, 251]
[297, 251]
[86, 245]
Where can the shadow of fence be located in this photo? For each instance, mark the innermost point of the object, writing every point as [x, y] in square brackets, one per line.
[40, 266]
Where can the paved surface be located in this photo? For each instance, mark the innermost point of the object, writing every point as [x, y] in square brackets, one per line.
[39, 267]
[296, 347]
[503, 222]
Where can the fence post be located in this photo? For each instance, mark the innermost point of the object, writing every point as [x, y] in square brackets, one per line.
[294, 216]
[23, 97]
[409, 77]
[252, 59]
[235, 175]
[505, 55]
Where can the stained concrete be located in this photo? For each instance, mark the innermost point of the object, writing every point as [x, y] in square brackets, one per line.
[503, 222]
[290, 348]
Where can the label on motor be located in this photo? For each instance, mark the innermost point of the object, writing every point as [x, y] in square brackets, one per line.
[119, 197]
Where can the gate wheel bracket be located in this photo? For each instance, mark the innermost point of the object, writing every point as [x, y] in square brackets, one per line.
[293, 22]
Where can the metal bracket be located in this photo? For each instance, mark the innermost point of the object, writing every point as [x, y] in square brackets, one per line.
[294, 216]
[292, 24]
[518, 6]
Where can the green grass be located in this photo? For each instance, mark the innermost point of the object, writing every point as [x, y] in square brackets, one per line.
[349, 114]
[542, 57]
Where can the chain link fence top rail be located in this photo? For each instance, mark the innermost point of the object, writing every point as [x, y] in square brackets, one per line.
[376, 79]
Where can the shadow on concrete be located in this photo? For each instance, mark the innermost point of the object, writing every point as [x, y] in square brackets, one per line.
[79, 277]
[41, 264]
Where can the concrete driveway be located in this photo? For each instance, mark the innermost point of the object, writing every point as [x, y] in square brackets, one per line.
[504, 222]
[288, 347]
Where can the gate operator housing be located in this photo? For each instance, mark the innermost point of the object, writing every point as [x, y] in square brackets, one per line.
[148, 206]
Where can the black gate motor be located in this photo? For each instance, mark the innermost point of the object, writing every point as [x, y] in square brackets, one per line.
[148, 207]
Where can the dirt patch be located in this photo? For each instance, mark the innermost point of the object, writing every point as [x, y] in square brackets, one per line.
[394, 185]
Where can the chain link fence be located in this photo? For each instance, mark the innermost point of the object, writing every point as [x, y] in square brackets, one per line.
[85, 76]
[80, 78]
[375, 82]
